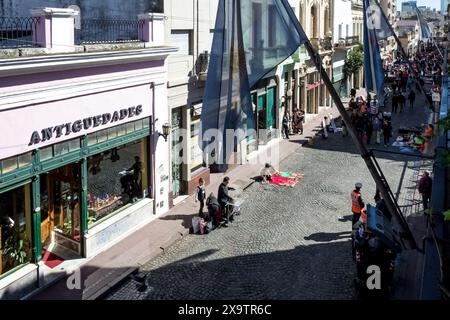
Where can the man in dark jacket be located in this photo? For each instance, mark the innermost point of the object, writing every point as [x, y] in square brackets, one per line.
[425, 187]
[223, 195]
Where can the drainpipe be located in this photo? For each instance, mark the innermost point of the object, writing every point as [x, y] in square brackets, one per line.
[153, 149]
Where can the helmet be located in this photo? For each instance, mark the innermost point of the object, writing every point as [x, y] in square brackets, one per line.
[358, 185]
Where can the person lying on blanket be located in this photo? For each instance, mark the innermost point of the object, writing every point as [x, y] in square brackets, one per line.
[267, 172]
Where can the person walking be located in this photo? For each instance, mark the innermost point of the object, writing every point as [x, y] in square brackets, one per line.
[387, 132]
[286, 121]
[376, 125]
[395, 102]
[300, 119]
[411, 98]
[401, 101]
[357, 203]
[200, 195]
[425, 188]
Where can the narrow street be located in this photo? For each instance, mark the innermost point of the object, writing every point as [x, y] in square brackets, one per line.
[288, 243]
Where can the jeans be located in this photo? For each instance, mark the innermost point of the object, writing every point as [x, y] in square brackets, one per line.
[202, 205]
[425, 200]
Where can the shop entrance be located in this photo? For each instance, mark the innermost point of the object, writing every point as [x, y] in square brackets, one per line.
[60, 206]
[177, 153]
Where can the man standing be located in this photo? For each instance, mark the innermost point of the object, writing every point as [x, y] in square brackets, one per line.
[425, 187]
[223, 195]
[357, 203]
[286, 121]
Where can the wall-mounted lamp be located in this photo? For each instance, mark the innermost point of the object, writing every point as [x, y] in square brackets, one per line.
[165, 130]
[289, 93]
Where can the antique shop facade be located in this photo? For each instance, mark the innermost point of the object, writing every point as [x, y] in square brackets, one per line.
[83, 156]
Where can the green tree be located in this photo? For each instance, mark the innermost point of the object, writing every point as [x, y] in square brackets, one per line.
[354, 61]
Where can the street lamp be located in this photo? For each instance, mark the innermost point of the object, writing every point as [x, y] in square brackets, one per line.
[165, 130]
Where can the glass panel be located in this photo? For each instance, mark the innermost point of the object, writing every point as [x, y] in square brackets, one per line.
[130, 127]
[102, 136]
[74, 144]
[146, 122]
[25, 160]
[61, 148]
[14, 233]
[9, 165]
[112, 133]
[138, 125]
[46, 153]
[121, 130]
[92, 139]
[66, 201]
[115, 179]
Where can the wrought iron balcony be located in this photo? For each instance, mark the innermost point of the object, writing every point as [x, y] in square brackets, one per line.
[326, 44]
[322, 44]
[347, 42]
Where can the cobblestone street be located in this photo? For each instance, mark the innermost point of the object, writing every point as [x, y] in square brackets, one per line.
[288, 243]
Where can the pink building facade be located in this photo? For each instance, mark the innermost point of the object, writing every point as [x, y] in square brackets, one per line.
[83, 157]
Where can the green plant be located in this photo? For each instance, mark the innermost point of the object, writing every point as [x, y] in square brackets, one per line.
[16, 249]
[447, 215]
[91, 220]
[354, 61]
[67, 228]
[443, 125]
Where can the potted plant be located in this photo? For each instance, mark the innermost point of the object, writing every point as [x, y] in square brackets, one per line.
[16, 249]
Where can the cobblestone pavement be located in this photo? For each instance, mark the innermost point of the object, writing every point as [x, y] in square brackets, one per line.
[288, 243]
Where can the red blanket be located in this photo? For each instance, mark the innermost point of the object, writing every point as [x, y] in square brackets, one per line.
[283, 181]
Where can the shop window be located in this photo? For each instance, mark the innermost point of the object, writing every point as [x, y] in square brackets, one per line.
[59, 149]
[15, 232]
[14, 163]
[121, 130]
[116, 178]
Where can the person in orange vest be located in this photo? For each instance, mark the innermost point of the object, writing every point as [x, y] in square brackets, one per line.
[357, 203]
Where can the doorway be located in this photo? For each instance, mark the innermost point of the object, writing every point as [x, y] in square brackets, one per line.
[60, 204]
[177, 153]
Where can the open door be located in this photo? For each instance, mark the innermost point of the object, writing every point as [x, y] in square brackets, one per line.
[60, 204]
[47, 216]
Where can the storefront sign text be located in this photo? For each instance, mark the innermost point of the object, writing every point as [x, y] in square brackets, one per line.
[84, 124]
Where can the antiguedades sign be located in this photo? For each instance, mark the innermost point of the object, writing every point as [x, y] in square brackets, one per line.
[79, 125]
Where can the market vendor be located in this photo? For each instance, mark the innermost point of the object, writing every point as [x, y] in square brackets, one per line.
[267, 172]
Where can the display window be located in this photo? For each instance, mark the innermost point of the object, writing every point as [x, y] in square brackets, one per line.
[116, 178]
[15, 228]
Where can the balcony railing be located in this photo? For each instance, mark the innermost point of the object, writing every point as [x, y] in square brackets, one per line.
[347, 42]
[17, 32]
[97, 31]
[326, 44]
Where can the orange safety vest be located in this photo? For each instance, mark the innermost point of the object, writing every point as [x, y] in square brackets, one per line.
[356, 208]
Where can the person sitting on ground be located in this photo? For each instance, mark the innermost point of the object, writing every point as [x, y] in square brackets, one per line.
[267, 172]
[213, 208]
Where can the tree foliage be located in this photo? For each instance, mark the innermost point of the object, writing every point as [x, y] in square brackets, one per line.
[354, 60]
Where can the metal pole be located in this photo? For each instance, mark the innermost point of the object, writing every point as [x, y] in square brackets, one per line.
[365, 154]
